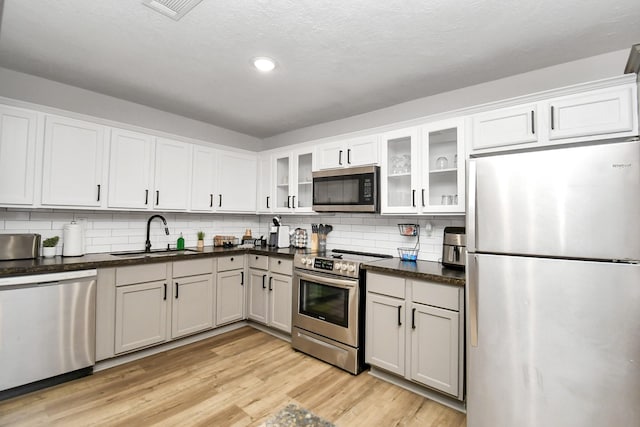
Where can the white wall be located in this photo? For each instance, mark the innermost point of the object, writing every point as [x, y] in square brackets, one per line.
[29, 88]
[581, 71]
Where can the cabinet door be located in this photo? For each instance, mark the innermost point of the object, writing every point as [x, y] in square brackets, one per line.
[258, 295]
[280, 296]
[229, 296]
[130, 170]
[203, 179]
[141, 315]
[385, 333]
[330, 156]
[302, 198]
[172, 175]
[442, 165]
[17, 155]
[282, 177]
[506, 126]
[361, 151]
[192, 307]
[264, 184]
[435, 347]
[400, 171]
[236, 182]
[597, 112]
[73, 163]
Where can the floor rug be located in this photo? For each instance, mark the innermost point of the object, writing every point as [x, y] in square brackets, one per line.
[295, 416]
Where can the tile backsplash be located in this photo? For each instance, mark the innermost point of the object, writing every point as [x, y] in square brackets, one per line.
[122, 231]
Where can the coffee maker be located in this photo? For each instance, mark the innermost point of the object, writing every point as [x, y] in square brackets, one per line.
[454, 247]
[278, 234]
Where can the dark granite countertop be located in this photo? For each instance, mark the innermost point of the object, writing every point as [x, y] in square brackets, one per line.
[106, 260]
[424, 270]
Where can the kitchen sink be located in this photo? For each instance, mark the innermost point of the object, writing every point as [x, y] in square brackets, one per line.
[155, 252]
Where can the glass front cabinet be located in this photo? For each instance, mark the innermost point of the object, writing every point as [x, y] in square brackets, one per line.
[292, 182]
[423, 169]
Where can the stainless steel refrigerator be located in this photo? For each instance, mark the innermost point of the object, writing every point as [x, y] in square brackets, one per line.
[553, 287]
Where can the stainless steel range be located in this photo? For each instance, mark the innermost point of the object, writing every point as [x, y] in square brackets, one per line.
[328, 307]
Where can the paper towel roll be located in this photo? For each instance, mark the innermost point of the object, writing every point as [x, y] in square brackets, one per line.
[72, 240]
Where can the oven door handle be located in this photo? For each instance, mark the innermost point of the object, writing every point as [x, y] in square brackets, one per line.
[324, 279]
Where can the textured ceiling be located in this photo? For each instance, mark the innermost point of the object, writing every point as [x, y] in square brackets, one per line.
[335, 58]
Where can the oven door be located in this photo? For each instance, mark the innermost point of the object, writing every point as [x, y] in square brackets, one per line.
[326, 305]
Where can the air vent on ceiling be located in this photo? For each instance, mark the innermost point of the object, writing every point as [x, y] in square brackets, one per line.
[174, 9]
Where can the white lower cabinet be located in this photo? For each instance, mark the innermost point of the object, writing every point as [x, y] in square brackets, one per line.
[141, 313]
[270, 291]
[230, 283]
[192, 306]
[415, 329]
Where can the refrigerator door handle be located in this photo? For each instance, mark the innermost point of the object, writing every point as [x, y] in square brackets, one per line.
[471, 205]
[473, 300]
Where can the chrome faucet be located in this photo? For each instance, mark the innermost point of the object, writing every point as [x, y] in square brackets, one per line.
[147, 244]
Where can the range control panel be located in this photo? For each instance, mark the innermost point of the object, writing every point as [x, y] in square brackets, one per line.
[321, 264]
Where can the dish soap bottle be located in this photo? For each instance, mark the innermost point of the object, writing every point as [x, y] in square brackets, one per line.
[180, 244]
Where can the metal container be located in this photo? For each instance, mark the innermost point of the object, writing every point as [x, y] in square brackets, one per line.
[19, 246]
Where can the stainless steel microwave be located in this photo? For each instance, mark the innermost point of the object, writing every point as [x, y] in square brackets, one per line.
[347, 190]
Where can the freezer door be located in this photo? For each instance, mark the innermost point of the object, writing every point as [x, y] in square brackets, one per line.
[552, 342]
[579, 202]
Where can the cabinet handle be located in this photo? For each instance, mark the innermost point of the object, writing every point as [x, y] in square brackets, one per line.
[270, 283]
[165, 292]
[267, 202]
[242, 278]
[340, 157]
[349, 155]
[399, 315]
[279, 262]
[157, 197]
[264, 276]
[552, 120]
[288, 201]
[293, 201]
[210, 200]
[177, 287]
[146, 196]
[257, 257]
[98, 192]
[413, 198]
[533, 123]
[423, 205]
[231, 258]
[413, 318]
[220, 200]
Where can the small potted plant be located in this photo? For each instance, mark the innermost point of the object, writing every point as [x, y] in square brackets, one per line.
[200, 240]
[49, 247]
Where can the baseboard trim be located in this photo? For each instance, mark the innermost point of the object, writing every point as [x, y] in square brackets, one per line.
[276, 333]
[424, 392]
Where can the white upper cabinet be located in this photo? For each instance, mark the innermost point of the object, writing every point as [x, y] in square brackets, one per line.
[420, 172]
[17, 155]
[131, 170]
[347, 153]
[596, 112]
[236, 182]
[203, 179]
[506, 126]
[607, 110]
[74, 163]
[293, 181]
[264, 184]
[172, 175]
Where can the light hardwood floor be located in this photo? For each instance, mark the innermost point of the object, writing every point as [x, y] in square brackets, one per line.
[240, 378]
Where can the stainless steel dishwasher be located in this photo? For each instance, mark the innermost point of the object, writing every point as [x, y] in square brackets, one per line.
[47, 329]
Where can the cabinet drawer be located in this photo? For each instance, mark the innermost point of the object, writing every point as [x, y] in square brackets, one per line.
[281, 266]
[140, 274]
[386, 285]
[193, 267]
[260, 262]
[437, 295]
[232, 262]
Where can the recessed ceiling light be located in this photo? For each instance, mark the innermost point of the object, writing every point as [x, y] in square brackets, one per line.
[264, 64]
